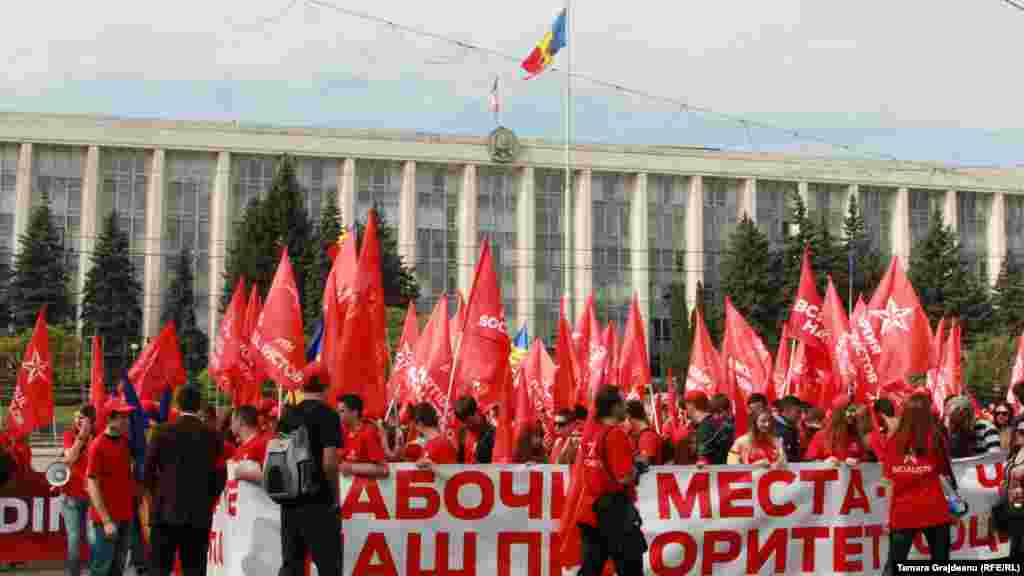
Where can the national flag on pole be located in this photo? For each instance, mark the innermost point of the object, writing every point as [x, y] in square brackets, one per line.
[544, 53]
[32, 404]
[520, 347]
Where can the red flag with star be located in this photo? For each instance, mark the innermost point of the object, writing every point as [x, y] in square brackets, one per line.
[901, 327]
[397, 385]
[32, 403]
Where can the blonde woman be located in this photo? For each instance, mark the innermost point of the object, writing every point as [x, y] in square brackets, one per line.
[760, 446]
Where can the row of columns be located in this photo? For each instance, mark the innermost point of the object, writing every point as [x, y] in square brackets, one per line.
[578, 229]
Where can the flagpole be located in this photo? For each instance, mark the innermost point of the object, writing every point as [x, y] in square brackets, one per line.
[568, 95]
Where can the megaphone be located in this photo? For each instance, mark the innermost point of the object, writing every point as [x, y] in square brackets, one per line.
[58, 474]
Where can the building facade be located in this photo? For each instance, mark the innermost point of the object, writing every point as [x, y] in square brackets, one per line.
[633, 218]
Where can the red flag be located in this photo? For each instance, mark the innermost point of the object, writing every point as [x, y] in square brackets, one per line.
[780, 375]
[339, 293]
[805, 317]
[540, 375]
[32, 403]
[951, 363]
[277, 341]
[705, 373]
[935, 384]
[938, 342]
[583, 332]
[634, 365]
[484, 350]
[397, 386]
[504, 434]
[459, 320]
[903, 332]
[430, 372]
[747, 363]
[97, 386]
[849, 361]
[249, 382]
[610, 340]
[158, 367]
[564, 394]
[673, 398]
[1017, 375]
[171, 361]
[226, 355]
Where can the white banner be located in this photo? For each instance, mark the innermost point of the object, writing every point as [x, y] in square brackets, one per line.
[469, 520]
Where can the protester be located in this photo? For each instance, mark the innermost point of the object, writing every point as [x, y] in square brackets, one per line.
[475, 438]
[760, 445]
[182, 483]
[111, 487]
[529, 445]
[787, 426]
[252, 448]
[884, 426]
[565, 444]
[969, 435]
[715, 433]
[643, 439]
[840, 441]
[431, 446]
[74, 498]
[1014, 474]
[915, 458]
[813, 420]
[363, 452]
[609, 492]
[312, 524]
[1002, 414]
[757, 401]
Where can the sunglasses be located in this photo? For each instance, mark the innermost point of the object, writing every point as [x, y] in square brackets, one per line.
[1002, 413]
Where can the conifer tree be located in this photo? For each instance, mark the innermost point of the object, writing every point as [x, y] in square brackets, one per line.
[747, 277]
[679, 358]
[802, 233]
[400, 282]
[867, 265]
[112, 296]
[327, 233]
[40, 274]
[180, 306]
[1008, 296]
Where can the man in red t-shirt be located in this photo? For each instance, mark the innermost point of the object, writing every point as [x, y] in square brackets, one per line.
[643, 439]
[74, 498]
[363, 452]
[431, 446]
[475, 436]
[252, 444]
[111, 488]
[608, 469]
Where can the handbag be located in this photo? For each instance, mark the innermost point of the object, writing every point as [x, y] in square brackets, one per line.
[958, 507]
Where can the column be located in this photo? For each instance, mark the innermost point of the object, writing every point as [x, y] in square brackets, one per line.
[526, 250]
[747, 203]
[90, 219]
[467, 229]
[950, 212]
[407, 214]
[639, 240]
[347, 192]
[901, 226]
[155, 210]
[23, 193]
[694, 238]
[583, 243]
[219, 223]
[996, 236]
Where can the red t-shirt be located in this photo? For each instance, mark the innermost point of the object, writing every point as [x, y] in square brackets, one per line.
[820, 450]
[110, 464]
[761, 452]
[363, 446]
[647, 444]
[917, 500]
[438, 449]
[254, 449]
[470, 441]
[616, 457]
[75, 487]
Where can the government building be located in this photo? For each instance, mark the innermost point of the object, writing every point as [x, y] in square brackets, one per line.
[635, 218]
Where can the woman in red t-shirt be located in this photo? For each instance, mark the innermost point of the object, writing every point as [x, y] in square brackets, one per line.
[840, 440]
[760, 446]
[915, 458]
[430, 446]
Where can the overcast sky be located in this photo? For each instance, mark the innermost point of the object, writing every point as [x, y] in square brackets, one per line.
[917, 79]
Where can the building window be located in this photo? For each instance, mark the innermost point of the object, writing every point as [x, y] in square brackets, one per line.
[666, 255]
[973, 213]
[187, 225]
[57, 172]
[437, 188]
[923, 205]
[549, 259]
[8, 195]
[318, 178]
[378, 182]
[496, 209]
[720, 207]
[827, 203]
[771, 209]
[124, 191]
[1015, 227]
[613, 287]
[251, 177]
[876, 206]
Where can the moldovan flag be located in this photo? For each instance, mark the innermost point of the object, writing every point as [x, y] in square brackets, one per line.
[634, 367]
[97, 384]
[484, 350]
[543, 54]
[901, 326]
[397, 386]
[705, 373]
[32, 403]
[277, 341]
[747, 364]
[805, 317]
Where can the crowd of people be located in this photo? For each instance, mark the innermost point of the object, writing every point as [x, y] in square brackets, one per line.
[165, 504]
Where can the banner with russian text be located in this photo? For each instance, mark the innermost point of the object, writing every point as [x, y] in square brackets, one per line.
[463, 520]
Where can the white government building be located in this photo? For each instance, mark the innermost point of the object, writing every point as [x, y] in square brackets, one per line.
[633, 211]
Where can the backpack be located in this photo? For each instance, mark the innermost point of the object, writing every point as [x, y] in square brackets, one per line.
[290, 471]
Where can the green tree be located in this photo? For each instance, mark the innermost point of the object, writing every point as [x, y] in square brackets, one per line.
[713, 311]
[112, 298]
[327, 233]
[6, 315]
[867, 263]
[180, 306]
[40, 273]
[400, 282]
[747, 277]
[802, 233]
[276, 221]
[679, 357]
[987, 366]
[1008, 296]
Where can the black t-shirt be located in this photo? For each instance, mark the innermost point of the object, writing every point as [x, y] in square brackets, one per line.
[324, 426]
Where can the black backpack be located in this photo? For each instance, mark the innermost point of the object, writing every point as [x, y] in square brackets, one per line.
[290, 470]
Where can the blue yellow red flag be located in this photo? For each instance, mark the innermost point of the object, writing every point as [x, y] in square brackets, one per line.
[544, 52]
[520, 347]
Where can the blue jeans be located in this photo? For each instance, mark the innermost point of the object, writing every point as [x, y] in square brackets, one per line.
[72, 511]
[106, 555]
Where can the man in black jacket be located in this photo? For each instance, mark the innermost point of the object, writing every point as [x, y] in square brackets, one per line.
[183, 479]
[789, 411]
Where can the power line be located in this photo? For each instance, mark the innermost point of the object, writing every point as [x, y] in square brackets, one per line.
[1015, 4]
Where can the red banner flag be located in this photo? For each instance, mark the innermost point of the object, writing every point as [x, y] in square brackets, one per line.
[97, 384]
[398, 385]
[634, 365]
[483, 353]
[705, 372]
[226, 355]
[339, 294]
[32, 403]
[277, 341]
[539, 375]
[430, 373]
[747, 363]
[903, 332]
[783, 357]
[805, 317]
[564, 395]
[458, 321]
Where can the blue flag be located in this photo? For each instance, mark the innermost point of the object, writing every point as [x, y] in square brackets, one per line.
[313, 352]
[165, 405]
[138, 424]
